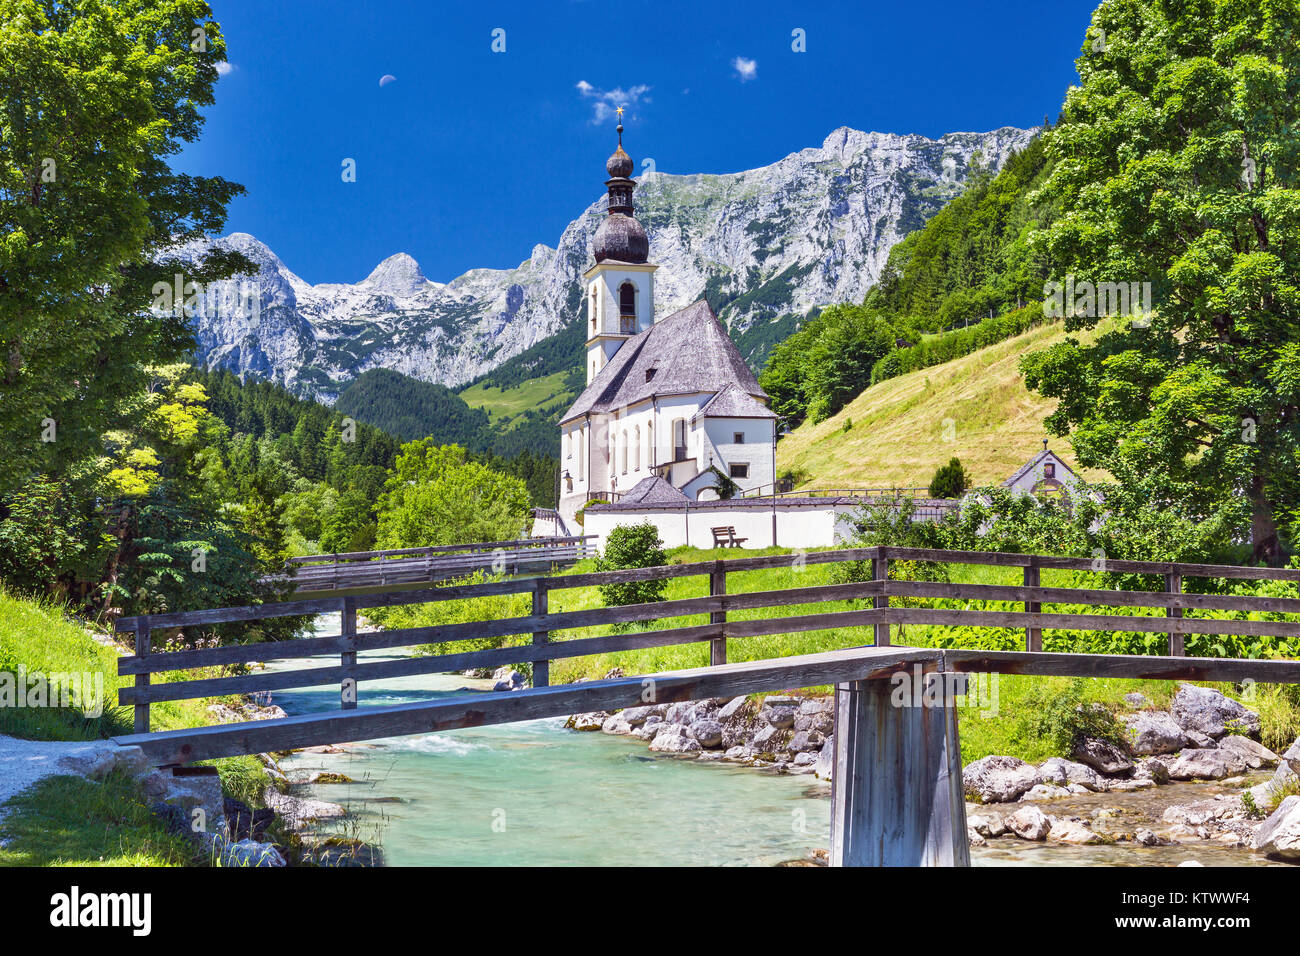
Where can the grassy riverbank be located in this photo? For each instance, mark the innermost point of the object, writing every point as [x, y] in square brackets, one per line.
[64, 820]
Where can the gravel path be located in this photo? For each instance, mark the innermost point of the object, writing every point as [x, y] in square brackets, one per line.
[24, 762]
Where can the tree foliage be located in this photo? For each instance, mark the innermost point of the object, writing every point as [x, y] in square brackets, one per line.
[632, 546]
[1175, 164]
[94, 98]
[437, 495]
[949, 480]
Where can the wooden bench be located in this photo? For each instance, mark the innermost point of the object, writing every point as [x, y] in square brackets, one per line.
[726, 537]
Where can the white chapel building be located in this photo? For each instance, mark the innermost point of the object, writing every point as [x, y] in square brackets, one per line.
[670, 404]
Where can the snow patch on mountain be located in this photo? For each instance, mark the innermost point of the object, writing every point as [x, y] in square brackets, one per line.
[812, 229]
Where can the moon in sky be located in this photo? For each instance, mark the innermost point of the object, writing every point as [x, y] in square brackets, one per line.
[386, 79]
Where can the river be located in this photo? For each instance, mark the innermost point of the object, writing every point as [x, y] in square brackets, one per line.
[534, 793]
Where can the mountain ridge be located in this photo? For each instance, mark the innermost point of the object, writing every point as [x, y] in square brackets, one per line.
[764, 246]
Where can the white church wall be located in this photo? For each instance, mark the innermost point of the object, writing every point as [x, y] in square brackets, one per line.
[754, 450]
[797, 526]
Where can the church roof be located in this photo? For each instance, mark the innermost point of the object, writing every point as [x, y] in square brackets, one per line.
[687, 352]
[653, 492]
[733, 402]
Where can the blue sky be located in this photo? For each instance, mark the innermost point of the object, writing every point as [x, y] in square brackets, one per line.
[469, 158]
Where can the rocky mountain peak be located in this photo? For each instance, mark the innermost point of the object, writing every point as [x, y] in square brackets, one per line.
[764, 247]
[398, 275]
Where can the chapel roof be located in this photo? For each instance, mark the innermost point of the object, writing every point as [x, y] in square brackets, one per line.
[688, 352]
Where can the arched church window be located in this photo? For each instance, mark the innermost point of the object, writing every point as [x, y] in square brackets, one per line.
[627, 308]
[679, 439]
[623, 456]
[636, 449]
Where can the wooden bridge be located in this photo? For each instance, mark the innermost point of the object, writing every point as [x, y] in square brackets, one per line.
[896, 793]
[359, 572]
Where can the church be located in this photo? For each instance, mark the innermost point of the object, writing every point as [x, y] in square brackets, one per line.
[671, 412]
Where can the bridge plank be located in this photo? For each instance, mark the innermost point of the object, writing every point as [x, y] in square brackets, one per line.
[1006, 559]
[1092, 596]
[1142, 667]
[1095, 622]
[369, 723]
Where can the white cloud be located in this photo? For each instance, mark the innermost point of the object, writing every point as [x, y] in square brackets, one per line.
[604, 102]
[225, 69]
[745, 68]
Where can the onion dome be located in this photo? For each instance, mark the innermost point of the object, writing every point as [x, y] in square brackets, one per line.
[619, 165]
[620, 237]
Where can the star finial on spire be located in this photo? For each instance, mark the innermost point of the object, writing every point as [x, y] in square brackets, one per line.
[619, 111]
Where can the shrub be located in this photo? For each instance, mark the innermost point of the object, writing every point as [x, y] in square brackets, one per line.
[632, 546]
[950, 481]
[725, 486]
[1064, 718]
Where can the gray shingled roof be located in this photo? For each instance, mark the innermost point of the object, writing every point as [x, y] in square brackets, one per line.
[653, 492]
[761, 503]
[690, 352]
[733, 402]
[1029, 466]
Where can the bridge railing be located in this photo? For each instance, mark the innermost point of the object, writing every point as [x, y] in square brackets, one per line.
[541, 626]
[413, 566]
[478, 547]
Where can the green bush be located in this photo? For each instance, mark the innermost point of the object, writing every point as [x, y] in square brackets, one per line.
[950, 480]
[632, 546]
[1065, 718]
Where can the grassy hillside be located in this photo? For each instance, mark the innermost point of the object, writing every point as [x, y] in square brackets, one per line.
[504, 404]
[893, 433]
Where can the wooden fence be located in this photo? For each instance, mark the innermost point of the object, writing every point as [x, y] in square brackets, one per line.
[541, 625]
[409, 566]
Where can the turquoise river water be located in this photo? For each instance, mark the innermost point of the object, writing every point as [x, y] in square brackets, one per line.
[534, 793]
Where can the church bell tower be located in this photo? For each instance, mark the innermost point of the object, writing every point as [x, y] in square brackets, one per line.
[620, 286]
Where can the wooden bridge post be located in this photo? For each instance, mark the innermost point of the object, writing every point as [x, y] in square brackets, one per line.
[896, 790]
[880, 572]
[348, 691]
[1174, 585]
[1033, 635]
[718, 586]
[541, 669]
[143, 640]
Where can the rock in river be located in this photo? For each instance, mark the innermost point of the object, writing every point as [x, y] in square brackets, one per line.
[1279, 835]
[1207, 764]
[1102, 756]
[999, 779]
[1062, 772]
[707, 731]
[1154, 732]
[1255, 754]
[674, 739]
[1209, 712]
[1029, 823]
